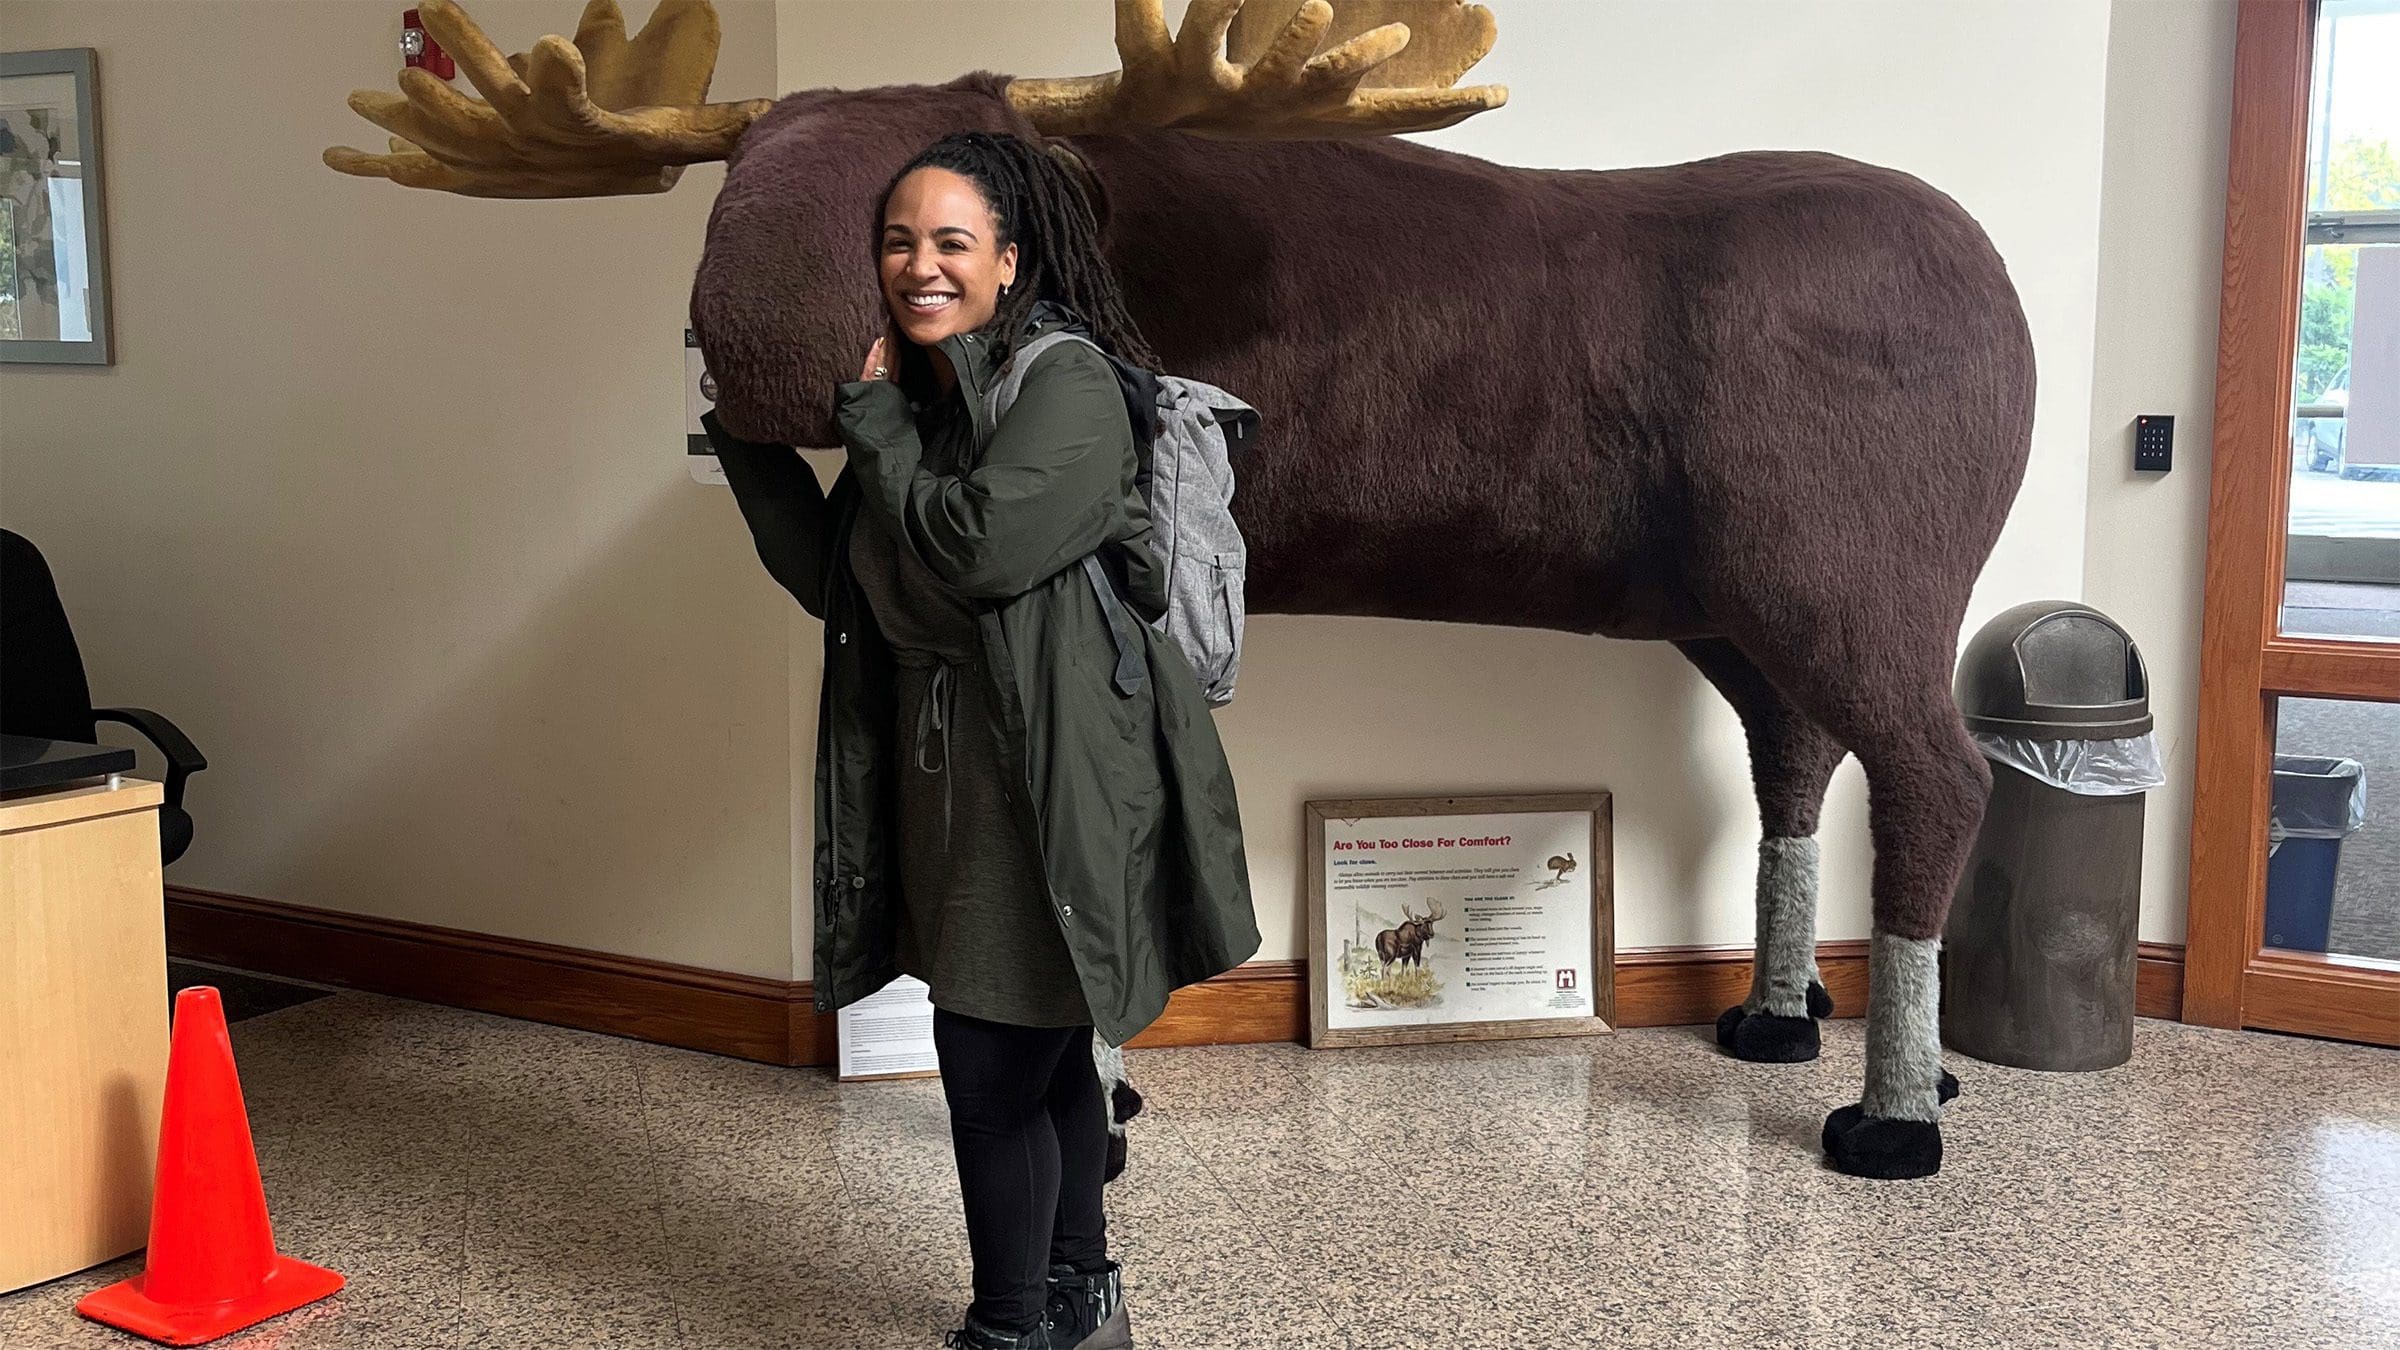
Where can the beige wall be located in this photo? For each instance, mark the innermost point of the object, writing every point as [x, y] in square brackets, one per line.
[514, 672]
[2162, 243]
[384, 502]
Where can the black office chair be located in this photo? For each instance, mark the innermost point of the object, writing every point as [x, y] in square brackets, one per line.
[43, 691]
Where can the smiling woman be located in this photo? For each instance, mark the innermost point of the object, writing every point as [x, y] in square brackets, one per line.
[948, 261]
[1050, 852]
[942, 266]
[964, 522]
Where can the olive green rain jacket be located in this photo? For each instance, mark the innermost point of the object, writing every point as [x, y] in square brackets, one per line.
[1126, 798]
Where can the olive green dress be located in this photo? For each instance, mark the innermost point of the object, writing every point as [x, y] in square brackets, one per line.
[975, 922]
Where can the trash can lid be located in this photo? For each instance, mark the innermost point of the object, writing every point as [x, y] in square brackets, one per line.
[2054, 670]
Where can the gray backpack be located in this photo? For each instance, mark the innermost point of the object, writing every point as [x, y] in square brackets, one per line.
[1188, 481]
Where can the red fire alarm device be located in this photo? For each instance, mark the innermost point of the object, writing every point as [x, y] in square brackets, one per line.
[418, 48]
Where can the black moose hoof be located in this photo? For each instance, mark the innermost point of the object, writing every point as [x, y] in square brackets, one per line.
[1949, 1087]
[1727, 1022]
[1861, 1145]
[1764, 1038]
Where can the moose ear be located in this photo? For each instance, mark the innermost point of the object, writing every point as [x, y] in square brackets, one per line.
[1080, 170]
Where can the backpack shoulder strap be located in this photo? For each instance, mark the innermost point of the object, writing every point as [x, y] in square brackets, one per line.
[1122, 628]
[1012, 380]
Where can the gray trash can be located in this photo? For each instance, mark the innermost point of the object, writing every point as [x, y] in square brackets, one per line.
[2038, 956]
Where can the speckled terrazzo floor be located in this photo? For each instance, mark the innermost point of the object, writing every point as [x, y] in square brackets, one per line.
[493, 1183]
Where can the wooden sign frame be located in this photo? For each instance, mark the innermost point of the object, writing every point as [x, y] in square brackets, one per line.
[1601, 862]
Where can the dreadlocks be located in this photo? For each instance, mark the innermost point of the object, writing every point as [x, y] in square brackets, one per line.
[1038, 206]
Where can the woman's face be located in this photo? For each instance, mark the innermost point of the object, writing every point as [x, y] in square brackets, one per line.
[941, 269]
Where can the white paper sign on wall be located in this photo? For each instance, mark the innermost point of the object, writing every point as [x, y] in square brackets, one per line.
[699, 396]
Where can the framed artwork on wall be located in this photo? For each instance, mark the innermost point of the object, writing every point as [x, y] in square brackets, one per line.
[53, 248]
[1460, 918]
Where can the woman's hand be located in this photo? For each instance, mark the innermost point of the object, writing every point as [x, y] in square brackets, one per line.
[883, 359]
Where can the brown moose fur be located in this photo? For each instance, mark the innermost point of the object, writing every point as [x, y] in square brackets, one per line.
[1773, 406]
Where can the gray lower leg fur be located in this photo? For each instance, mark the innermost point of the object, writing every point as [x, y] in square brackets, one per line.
[1904, 1028]
[1786, 960]
[1109, 1062]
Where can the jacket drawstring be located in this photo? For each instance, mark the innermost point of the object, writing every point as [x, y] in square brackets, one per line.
[935, 712]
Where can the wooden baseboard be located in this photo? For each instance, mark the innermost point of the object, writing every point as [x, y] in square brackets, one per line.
[2158, 981]
[740, 1015]
[773, 1021]
[1681, 986]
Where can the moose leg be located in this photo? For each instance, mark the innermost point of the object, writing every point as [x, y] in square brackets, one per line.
[1926, 786]
[1791, 760]
[1862, 675]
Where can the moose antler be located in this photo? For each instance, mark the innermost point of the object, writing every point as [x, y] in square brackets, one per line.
[1288, 91]
[1445, 37]
[601, 116]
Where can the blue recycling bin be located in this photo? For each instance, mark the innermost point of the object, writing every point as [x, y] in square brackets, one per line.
[2318, 801]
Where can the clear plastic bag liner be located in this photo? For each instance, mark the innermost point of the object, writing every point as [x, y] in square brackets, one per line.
[2117, 768]
[2317, 797]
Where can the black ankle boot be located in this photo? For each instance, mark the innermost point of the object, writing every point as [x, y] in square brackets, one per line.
[1087, 1311]
[976, 1336]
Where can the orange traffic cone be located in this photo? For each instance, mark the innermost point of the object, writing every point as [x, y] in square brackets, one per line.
[212, 1268]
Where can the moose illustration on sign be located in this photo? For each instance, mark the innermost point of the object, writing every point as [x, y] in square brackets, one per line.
[1687, 403]
[1406, 944]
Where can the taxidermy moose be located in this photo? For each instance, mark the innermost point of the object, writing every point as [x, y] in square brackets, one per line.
[1684, 403]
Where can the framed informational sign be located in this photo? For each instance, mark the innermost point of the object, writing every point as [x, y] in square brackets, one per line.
[887, 1034]
[1459, 918]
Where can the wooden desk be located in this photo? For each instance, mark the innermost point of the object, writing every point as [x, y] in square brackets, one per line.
[83, 1025]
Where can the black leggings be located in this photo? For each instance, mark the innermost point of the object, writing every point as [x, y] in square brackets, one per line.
[1029, 1129]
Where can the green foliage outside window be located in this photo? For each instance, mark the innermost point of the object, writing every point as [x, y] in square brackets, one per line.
[2363, 175]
